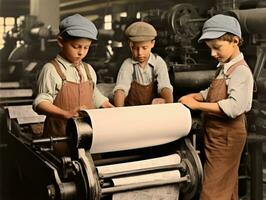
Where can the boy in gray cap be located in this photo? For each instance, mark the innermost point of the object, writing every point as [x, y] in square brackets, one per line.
[142, 79]
[66, 84]
[224, 105]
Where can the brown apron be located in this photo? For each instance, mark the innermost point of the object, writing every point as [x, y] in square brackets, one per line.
[141, 94]
[224, 142]
[70, 96]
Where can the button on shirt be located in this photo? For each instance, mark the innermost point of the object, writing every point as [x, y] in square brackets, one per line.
[49, 82]
[240, 89]
[143, 75]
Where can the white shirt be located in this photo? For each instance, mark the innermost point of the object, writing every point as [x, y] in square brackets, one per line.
[143, 75]
[49, 82]
[240, 89]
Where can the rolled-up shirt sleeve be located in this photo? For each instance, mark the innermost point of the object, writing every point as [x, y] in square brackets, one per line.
[98, 97]
[204, 93]
[162, 75]
[240, 93]
[124, 77]
[46, 85]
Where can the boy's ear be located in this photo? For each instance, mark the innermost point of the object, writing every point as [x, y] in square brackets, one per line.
[153, 43]
[60, 41]
[236, 40]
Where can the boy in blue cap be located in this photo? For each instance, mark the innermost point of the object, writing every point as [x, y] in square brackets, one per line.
[142, 79]
[224, 105]
[66, 84]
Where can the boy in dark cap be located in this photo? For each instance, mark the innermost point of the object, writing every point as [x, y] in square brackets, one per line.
[142, 79]
[224, 105]
[66, 84]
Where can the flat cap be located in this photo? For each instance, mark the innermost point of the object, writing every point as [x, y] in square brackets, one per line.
[218, 25]
[140, 31]
[78, 26]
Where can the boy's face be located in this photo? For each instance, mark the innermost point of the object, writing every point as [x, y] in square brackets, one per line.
[74, 50]
[223, 51]
[141, 50]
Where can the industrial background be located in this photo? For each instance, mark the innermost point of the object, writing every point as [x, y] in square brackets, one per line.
[28, 31]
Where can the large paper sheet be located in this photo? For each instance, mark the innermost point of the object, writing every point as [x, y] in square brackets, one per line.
[124, 128]
[24, 114]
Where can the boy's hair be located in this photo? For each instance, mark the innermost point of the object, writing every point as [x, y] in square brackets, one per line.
[68, 37]
[229, 37]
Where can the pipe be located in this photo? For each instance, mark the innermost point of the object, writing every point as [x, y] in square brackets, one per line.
[251, 20]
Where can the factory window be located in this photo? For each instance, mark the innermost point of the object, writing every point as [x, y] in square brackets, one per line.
[108, 22]
[6, 24]
[138, 15]
[123, 14]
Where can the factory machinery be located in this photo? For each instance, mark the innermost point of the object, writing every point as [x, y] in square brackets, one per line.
[84, 173]
[101, 163]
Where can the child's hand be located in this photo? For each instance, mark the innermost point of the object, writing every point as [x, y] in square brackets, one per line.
[189, 101]
[74, 112]
[158, 101]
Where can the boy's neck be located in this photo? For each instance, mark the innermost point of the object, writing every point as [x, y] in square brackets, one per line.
[143, 64]
[234, 55]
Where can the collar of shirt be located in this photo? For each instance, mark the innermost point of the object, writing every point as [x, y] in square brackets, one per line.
[226, 66]
[151, 60]
[65, 63]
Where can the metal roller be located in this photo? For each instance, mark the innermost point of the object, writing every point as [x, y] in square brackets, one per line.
[193, 79]
[251, 20]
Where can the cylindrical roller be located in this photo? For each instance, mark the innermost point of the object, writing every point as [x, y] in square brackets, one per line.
[79, 133]
[251, 20]
[193, 79]
[126, 128]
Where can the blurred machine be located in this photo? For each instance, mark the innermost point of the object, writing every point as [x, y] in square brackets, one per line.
[27, 47]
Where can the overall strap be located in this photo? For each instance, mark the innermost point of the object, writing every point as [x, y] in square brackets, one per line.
[86, 67]
[234, 66]
[152, 73]
[218, 71]
[58, 69]
[134, 72]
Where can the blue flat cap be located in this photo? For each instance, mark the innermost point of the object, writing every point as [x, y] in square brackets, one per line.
[218, 25]
[78, 26]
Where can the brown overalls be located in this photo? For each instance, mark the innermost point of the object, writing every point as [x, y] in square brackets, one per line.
[224, 142]
[141, 94]
[70, 96]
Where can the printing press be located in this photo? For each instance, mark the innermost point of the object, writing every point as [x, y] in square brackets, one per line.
[97, 167]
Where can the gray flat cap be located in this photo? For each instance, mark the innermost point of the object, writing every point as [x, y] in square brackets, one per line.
[140, 31]
[78, 26]
[218, 25]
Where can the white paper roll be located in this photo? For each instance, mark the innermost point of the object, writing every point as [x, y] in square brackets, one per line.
[125, 128]
[173, 159]
[167, 192]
